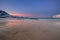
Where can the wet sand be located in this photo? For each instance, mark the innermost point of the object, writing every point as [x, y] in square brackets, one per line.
[18, 29]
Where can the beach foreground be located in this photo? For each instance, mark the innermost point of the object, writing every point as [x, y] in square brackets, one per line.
[26, 29]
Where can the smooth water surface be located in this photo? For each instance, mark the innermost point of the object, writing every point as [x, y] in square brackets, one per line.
[26, 29]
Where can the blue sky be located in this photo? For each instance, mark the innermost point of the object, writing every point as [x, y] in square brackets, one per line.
[37, 8]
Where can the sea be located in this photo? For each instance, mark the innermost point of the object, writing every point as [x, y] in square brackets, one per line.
[29, 29]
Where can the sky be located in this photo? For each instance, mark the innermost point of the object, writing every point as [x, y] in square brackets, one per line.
[31, 8]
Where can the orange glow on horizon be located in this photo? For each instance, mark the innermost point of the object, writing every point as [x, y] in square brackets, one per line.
[20, 14]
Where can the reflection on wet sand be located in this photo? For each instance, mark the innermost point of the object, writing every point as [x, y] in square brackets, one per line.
[13, 29]
[13, 23]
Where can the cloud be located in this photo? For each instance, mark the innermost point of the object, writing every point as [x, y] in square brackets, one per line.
[56, 16]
